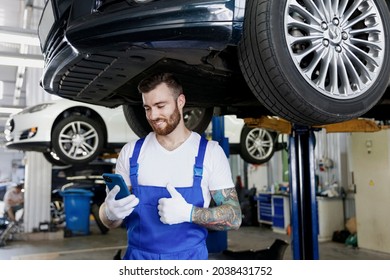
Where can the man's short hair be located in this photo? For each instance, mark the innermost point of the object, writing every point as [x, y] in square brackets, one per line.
[150, 83]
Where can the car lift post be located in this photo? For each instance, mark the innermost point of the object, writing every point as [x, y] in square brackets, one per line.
[304, 216]
[217, 240]
[218, 133]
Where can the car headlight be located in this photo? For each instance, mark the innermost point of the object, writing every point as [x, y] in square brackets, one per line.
[35, 108]
[9, 127]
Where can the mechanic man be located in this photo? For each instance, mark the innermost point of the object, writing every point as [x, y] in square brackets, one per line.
[14, 201]
[173, 174]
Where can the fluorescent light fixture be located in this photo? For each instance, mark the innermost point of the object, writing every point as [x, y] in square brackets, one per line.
[18, 36]
[27, 60]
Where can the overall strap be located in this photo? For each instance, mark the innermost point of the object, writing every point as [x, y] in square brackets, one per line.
[133, 161]
[198, 167]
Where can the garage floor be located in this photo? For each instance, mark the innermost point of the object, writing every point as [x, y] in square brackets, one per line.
[97, 246]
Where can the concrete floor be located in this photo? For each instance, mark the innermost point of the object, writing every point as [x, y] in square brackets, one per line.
[97, 246]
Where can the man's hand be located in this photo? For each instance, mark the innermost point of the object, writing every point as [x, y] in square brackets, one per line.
[121, 208]
[174, 210]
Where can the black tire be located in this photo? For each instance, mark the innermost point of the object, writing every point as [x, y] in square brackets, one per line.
[95, 213]
[135, 118]
[57, 212]
[275, 58]
[257, 144]
[54, 159]
[196, 119]
[83, 151]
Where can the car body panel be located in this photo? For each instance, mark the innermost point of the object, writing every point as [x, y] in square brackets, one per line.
[205, 25]
[233, 126]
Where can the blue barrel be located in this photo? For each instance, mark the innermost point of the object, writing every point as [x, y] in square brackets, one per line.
[77, 203]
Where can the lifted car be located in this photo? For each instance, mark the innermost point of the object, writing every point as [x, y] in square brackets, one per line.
[309, 62]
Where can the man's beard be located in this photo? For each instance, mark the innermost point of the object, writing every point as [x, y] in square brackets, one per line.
[171, 123]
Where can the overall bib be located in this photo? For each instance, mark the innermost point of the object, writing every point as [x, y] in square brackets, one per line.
[150, 239]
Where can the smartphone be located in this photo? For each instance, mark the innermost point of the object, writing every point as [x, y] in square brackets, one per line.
[116, 179]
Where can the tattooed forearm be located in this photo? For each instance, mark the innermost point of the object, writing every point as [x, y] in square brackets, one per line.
[225, 215]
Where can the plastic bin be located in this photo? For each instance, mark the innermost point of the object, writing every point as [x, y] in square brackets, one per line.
[77, 203]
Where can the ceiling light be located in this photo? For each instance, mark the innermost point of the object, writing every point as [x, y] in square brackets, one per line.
[15, 59]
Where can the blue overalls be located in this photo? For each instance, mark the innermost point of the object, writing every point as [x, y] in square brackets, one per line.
[150, 239]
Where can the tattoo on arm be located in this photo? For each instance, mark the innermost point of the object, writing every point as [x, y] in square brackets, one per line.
[225, 215]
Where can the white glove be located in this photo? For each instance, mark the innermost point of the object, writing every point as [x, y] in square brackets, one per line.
[174, 210]
[121, 208]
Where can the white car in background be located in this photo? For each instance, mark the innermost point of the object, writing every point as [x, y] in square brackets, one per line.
[68, 132]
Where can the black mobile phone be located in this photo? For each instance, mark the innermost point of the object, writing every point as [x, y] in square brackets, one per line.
[116, 179]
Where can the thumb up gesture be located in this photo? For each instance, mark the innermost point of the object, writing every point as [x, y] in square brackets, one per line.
[174, 210]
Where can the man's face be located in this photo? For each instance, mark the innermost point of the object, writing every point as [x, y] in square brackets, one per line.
[162, 110]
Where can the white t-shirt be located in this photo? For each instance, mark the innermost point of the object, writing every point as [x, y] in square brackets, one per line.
[158, 166]
[12, 198]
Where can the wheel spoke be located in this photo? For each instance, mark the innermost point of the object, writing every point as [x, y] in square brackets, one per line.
[326, 10]
[315, 62]
[252, 137]
[307, 27]
[75, 126]
[311, 18]
[333, 77]
[73, 151]
[324, 70]
[354, 54]
[351, 10]
[65, 138]
[335, 7]
[86, 147]
[310, 5]
[342, 6]
[254, 151]
[90, 134]
[354, 75]
[343, 76]
[368, 13]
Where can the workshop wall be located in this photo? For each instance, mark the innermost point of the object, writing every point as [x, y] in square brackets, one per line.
[331, 160]
[370, 163]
